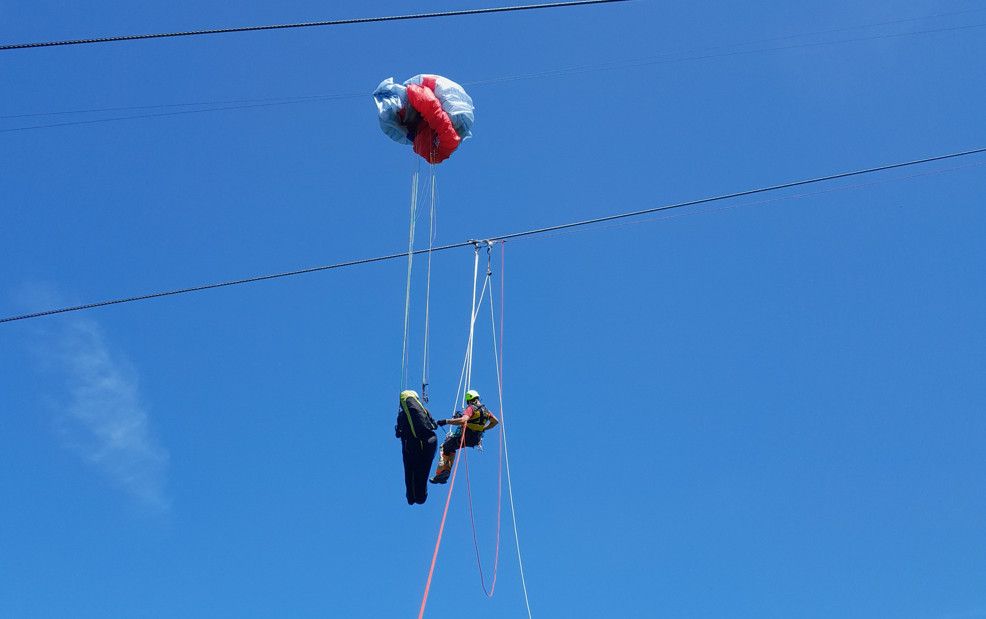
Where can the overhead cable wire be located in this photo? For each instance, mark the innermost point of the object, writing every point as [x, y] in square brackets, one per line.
[697, 54]
[312, 24]
[503, 237]
[763, 201]
[316, 97]
[95, 121]
[156, 106]
[738, 194]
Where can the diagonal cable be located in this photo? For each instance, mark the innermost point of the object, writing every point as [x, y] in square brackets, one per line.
[504, 237]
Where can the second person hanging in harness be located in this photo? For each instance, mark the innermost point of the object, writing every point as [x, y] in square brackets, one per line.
[474, 421]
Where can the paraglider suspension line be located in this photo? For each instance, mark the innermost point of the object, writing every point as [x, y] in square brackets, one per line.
[410, 263]
[431, 243]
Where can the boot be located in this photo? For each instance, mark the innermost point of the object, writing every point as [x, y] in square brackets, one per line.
[444, 469]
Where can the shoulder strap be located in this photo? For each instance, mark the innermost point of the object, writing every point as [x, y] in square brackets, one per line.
[480, 415]
[407, 413]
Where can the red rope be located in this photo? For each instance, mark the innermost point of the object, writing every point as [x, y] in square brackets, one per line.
[499, 379]
[455, 467]
[503, 276]
[441, 528]
[472, 521]
[499, 479]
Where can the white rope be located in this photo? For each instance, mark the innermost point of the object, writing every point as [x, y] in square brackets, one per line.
[506, 456]
[431, 243]
[410, 261]
[472, 319]
[478, 308]
[459, 389]
[465, 362]
[462, 381]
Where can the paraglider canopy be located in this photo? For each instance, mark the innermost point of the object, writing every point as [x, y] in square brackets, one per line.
[431, 112]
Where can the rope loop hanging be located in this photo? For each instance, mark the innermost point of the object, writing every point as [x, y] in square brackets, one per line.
[499, 481]
[465, 378]
[503, 427]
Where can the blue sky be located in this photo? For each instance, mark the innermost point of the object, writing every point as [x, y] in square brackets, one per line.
[766, 408]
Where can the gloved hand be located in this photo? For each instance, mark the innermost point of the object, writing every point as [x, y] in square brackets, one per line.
[442, 422]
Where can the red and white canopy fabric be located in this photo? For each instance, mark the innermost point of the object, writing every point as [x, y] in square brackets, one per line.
[429, 111]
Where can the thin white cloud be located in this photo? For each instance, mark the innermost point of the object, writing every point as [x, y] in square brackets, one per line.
[100, 415]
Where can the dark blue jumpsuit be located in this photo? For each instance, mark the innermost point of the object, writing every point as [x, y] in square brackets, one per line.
[416, 429]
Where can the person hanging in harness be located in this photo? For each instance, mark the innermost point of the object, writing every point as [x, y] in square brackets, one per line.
[416, 429]
[474, 421]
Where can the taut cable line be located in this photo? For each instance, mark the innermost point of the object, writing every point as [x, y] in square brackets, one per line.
[504, 237]
[312, 24]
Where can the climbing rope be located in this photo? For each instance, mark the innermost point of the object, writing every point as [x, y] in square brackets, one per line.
[503, 426]
[441, 530]
[472, 317]
[499, 502]
[463, 379]
[472, 521]
[460, 389]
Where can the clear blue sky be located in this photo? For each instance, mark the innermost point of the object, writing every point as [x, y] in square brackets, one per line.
[747, 410]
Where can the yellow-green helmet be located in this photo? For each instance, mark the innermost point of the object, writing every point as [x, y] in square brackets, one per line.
[471, 395]
[409, 394]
